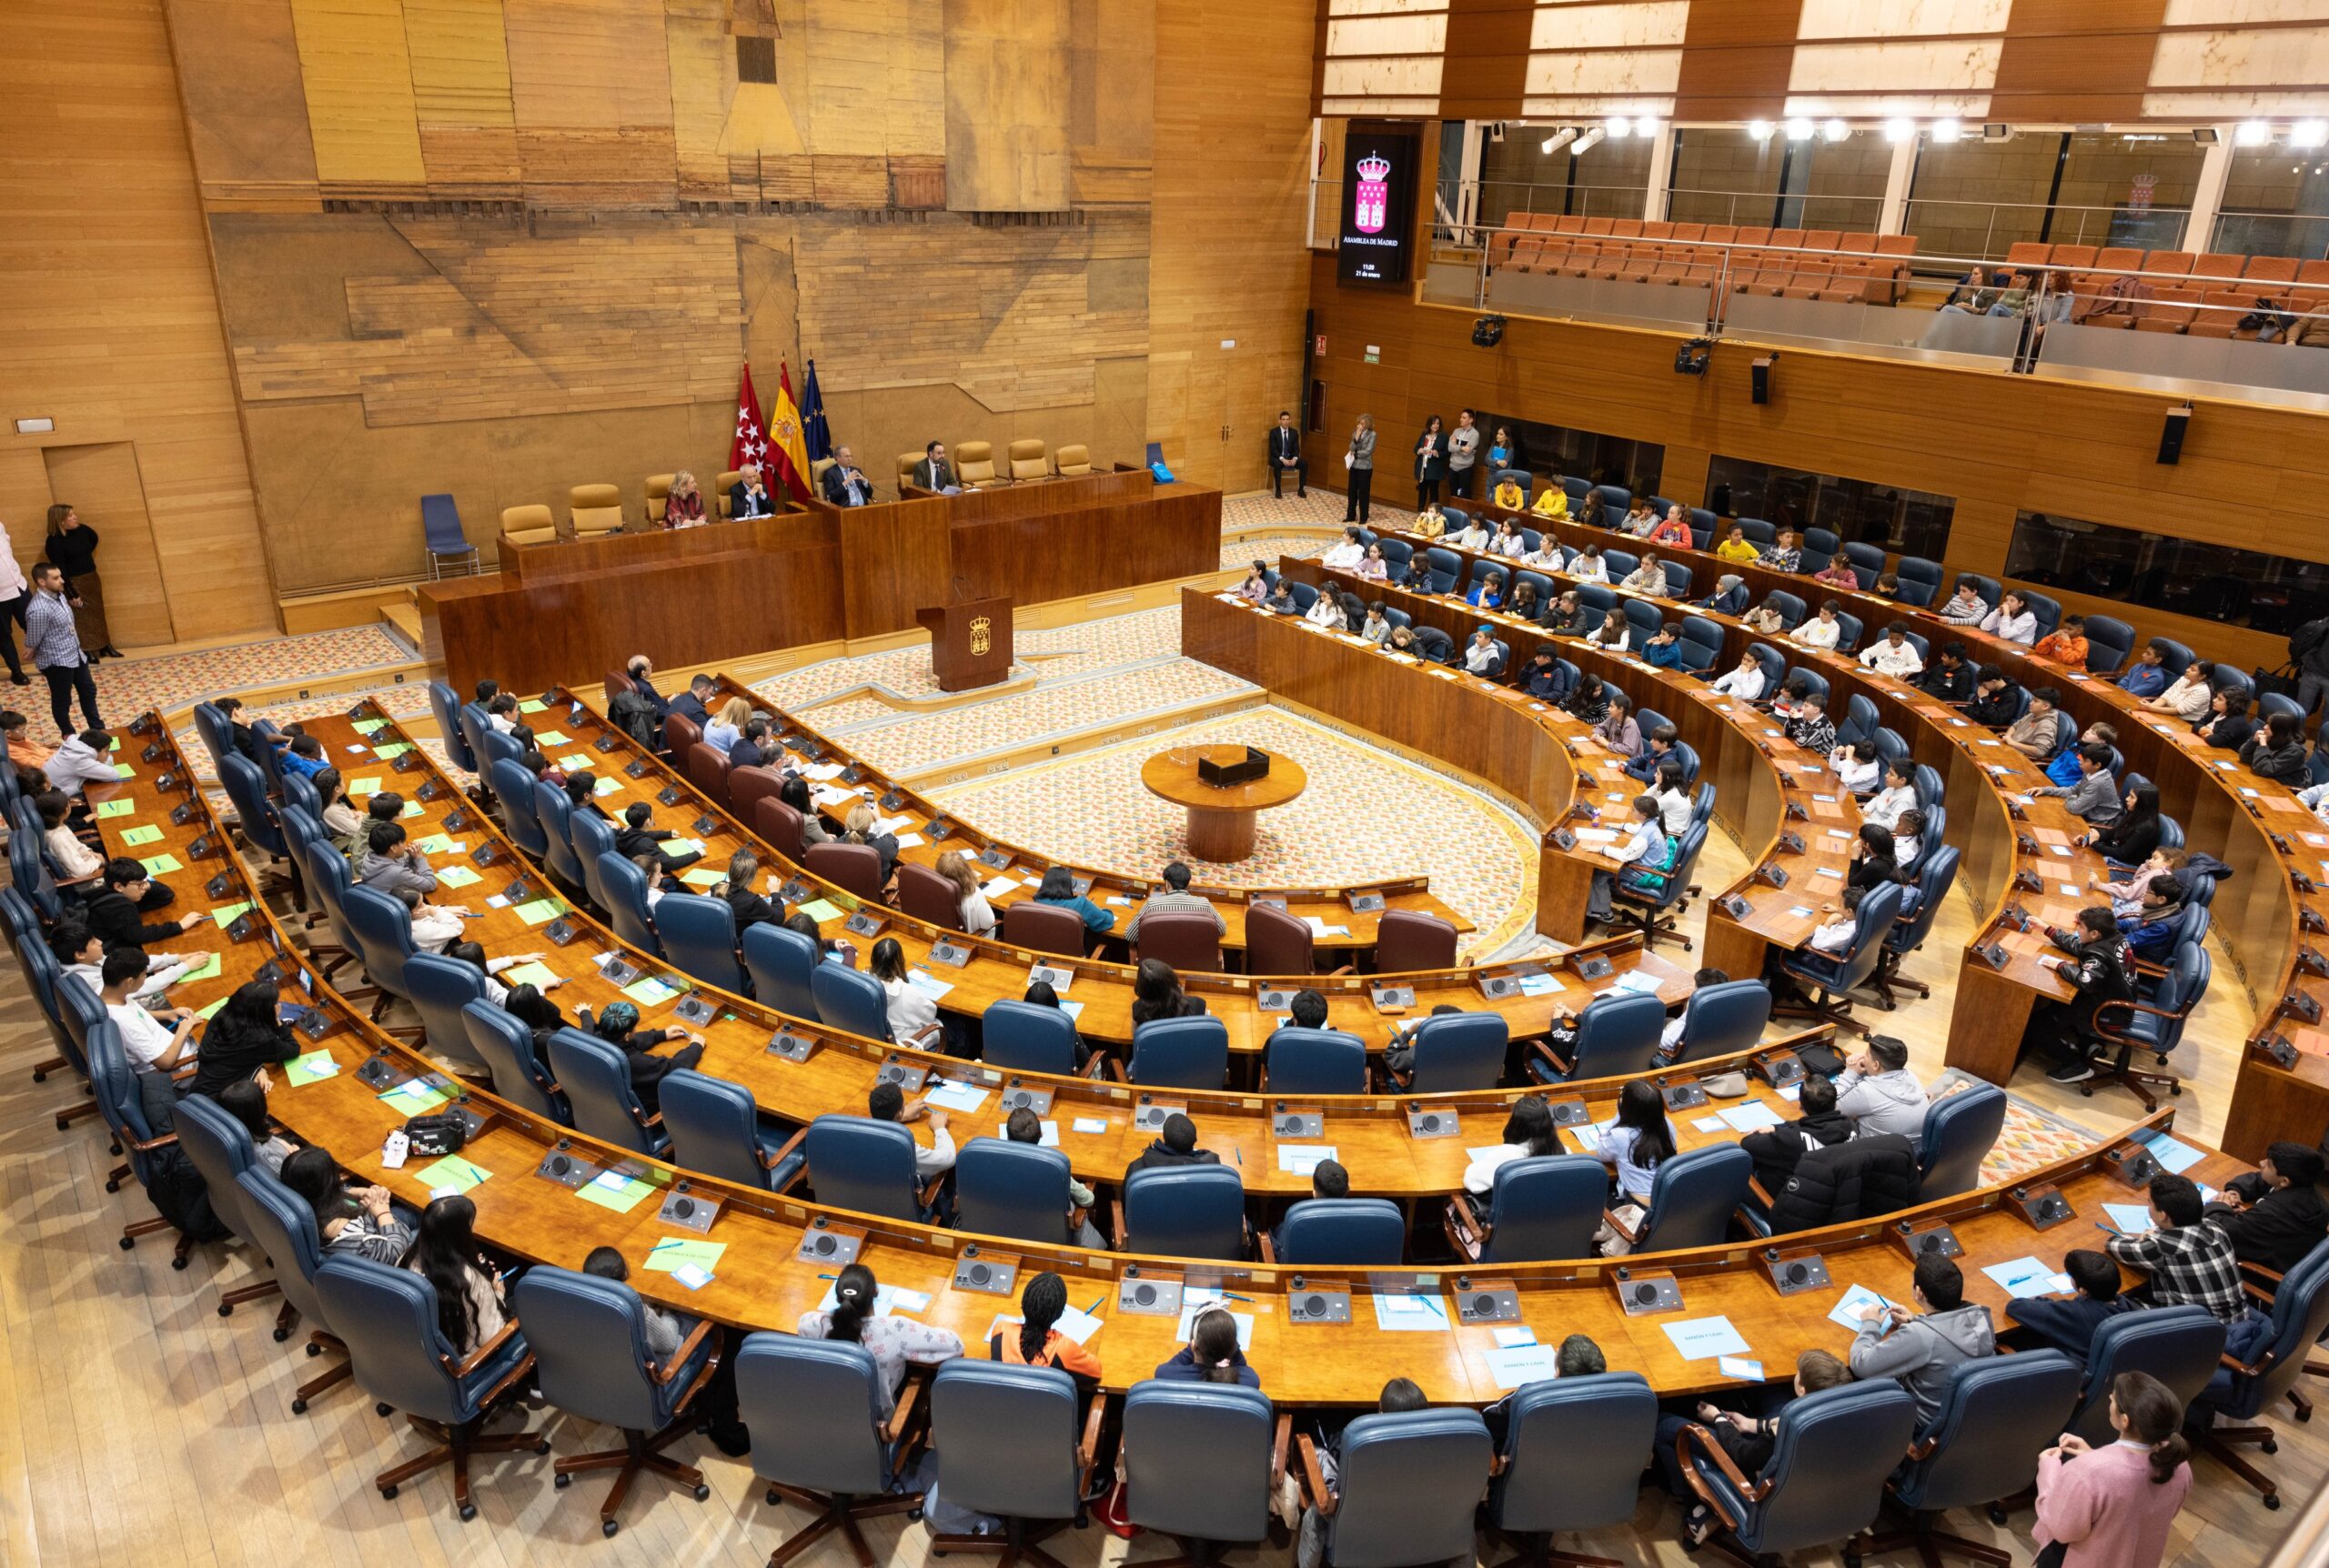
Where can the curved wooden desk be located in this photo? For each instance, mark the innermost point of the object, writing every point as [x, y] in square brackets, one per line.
[1222, 820]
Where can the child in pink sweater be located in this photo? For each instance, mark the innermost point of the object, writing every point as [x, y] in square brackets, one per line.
[2111, 1507]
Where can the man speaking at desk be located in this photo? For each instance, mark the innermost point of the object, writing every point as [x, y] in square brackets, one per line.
[935, 472]
[845, 482]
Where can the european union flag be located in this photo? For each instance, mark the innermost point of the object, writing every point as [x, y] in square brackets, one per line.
[813, 417]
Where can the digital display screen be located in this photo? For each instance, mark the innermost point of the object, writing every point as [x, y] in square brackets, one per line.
[1378, 204]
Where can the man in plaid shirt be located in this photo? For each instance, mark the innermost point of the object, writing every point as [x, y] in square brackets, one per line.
[2187, 1255]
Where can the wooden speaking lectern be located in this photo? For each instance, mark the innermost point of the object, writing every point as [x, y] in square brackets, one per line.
[970, 643]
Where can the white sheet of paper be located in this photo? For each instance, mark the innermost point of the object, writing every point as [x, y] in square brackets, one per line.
[1522, 1364]
[1710, 1124]
[2022, 1278]
[1512, 1336]
[951, 1096]
[1301, 1159]
[1091, 1124]
[1050, 1138]
[1699, 1339]
[1421, 1314]
[1847, 1310]
[995, 887]
[1319, 928]
[1751, 1117]
[1741, 1368]
[2133, 1219]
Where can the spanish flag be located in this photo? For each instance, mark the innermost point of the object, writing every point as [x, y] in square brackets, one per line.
[788, 448]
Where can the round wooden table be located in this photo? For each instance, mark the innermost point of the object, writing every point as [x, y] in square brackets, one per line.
[1221, 821]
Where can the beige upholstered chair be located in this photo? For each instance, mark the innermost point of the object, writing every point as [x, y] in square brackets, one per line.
[659, 496]
[528, 525]
[593, 509]
[727, 483]
[906, 460]
[1070, 461]
[817, 467]
[1027, 461]
[974, 464]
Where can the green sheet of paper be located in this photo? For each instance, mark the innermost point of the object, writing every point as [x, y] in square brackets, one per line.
[134, 837]
[575, 761]
[115, 809]
[436, 844]
[457, 876]
[553, 738]
[123, 770]
[649, 993]
[391, 751]
[364, 786]
[541, 912]
[312, 1067]
[533, 704]
[371, 725]
[452, 1171]
[535, 974]
[606, 787]
[413, 1099]
[608, 1191]
[702, 877]
[207, 1013]
[821, 910]
[677, 1252]
[206, 970]
[161, 864]
[413, 809]
[115, 744]
[227, 914]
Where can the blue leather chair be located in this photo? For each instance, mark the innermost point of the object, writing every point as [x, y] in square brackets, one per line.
[1990, 589]
[624, 887]
[1959, 1131]
[246, 786]
[1643, 619]
[1825, 1480]
[382, 930]
[1722, 1020]
[590, 1358]
[1692, 1198]
[1820, 548]
[1867, 562]
[1179, 1054]
[1025, 1037]
[594, 845]
[1848, 638]
[1597, 597]
[1616, 1036]
[1016, 1190]
[1758, 531]
[2155, 1024]
[1615, 502]
[1574, 1451]
[1304, 595]
[1701, 642]
[821, 1438]
[1433, 646]
[1314, 1061]
[2176, 657]
[1771, 662]
[119, 1103]
[1861, 720]
[1200, 1462]
[1657, 912]
[506, 1047]
[1445, 564]
[782, 965]
[2110, 643]
[850, 999]
[219, 1146]
[554, 813]
[1182, 1212]
[700, 936]
[1679, 578]
[715, 1128]
[1920, 581]
[2046, 608]
[440, 989]
[284, 1227]
[1410, 1483]
[597, 1081]
[217, 733]
[269, 754]
[1345, 1233]
[1016, 1445]
[1936, 874]
[2179, 1346]
[1789, 607]
[856, 1163]
[1831, 979]
[446, 706]
[1456, 1052]
[1542, 1208]
[387, 1317]
[514, 788]
[2244, 1393]
[2273, 703]
[1996, 1417]
[1621, 563]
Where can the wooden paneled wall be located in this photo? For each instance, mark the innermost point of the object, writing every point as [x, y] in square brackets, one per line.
[109, 326]
[2250, 477]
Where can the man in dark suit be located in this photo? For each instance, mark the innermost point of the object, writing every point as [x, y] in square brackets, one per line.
[1286, 457]
[748, 496]
[845, 483]
[638, 835]
[751, 748]
[694, 704]
[642, 670]
[935, 472]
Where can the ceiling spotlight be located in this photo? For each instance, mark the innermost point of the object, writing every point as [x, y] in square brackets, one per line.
[1798, 129]
[1947, 130]
[1760, 130]
[1619, 128]
[2309, 134]
[2253, 134]
[1586, 143]
[1645, 125]
[1898, 130]
[1835, 130]
[1558, 139]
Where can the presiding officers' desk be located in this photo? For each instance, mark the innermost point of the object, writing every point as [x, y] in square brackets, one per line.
[837, 777]
[568, 609]
[765, 1276]
[2269, 914]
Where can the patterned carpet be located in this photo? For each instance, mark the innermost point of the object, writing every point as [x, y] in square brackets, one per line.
[1091, 807]
[131, 686]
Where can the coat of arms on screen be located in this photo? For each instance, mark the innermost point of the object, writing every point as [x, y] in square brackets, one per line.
[1371, 203]
[981, 636]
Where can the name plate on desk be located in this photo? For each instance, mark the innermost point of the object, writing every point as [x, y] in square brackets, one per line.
[1317, 1304]
[1146, 1297]
[989, 1273]
[1149, 1115]
[826, 1243]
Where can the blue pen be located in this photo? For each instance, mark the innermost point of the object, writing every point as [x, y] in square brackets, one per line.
[2110, 1230]
[1232, 1296]
[1098, 1303]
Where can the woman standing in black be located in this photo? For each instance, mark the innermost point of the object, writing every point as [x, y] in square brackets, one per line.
[72, 549]
[1431, 463]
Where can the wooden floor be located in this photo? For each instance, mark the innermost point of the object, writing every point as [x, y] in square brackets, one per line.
[138, 1426]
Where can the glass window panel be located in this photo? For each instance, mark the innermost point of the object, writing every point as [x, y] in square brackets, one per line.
[2275, 202]
[1722, 175]
[1837, 184]
[2157, 571]
[1977, 198]
[1909, 522]
[2130, 188]
[1545, 450]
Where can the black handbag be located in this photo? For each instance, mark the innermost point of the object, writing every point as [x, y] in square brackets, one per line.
[437, 1134]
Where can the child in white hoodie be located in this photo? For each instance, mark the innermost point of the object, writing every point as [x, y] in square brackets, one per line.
[1878, 1091]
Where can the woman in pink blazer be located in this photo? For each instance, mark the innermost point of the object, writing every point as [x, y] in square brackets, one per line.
[2111, 1507]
